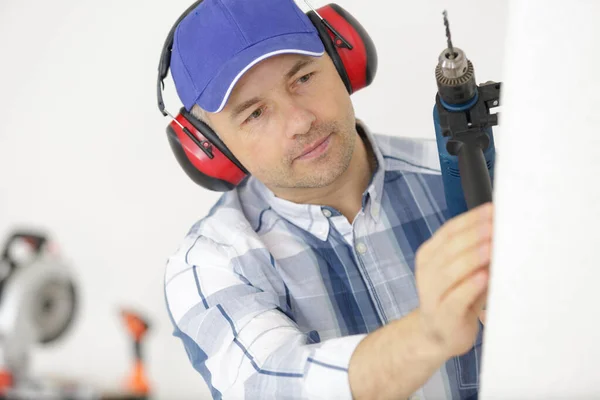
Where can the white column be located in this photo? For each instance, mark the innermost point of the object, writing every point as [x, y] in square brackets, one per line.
[542, 335]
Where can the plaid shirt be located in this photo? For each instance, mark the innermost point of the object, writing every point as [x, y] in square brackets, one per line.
[270, 298]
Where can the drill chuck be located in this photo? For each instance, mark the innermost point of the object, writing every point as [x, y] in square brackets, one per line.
[455, 77]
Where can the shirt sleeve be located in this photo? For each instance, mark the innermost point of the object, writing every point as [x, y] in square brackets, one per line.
[240, 337]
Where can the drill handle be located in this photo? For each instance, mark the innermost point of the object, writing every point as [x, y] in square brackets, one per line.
[474, 175]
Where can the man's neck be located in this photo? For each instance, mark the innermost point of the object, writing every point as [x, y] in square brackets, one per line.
[345, 194]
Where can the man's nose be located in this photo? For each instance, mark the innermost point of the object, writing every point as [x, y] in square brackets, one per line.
[298, 119]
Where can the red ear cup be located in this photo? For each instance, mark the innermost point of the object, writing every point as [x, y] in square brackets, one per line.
[207, 161]
[356, 66]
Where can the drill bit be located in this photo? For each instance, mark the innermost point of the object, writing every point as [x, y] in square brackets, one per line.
[448, 35]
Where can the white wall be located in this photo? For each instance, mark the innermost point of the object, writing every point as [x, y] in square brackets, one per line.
[543, 296]
[83, 150]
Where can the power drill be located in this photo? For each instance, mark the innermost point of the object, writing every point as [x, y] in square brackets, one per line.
[137, 384]
[463, 129]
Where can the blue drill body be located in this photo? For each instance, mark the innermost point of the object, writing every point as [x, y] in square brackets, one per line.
[453, 189]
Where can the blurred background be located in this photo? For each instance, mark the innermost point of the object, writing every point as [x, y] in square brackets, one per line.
[84, 155]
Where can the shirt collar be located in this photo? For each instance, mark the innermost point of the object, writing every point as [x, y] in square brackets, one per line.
[374, 193]
[313, 218]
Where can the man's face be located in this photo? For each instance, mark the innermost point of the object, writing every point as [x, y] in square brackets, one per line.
[290, 122]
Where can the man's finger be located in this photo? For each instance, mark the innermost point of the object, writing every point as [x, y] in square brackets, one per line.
[479, 306]
[454, 228]
[482, 316]
[462, 298]
[453, 273]
[481, 301]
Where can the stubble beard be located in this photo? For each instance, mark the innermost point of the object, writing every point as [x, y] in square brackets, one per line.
[323, 173]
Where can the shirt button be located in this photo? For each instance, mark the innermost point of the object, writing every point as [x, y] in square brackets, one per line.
[375, 210]
[327, 213]
[361, 248]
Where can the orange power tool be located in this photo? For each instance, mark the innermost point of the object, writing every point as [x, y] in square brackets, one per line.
[137, 326]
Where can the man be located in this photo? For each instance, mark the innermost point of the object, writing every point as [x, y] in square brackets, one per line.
[332, 271]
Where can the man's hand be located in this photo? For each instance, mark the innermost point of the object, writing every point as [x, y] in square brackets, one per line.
[452, 278]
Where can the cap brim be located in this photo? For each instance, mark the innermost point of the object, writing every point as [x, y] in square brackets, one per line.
[215, 95]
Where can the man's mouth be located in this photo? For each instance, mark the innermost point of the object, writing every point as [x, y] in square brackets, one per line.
[315, 149]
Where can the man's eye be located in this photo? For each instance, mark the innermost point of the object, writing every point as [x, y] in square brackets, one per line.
[256, 114]
[305, 78]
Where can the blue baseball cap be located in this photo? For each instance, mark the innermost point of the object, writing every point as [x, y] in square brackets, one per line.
[219, 40]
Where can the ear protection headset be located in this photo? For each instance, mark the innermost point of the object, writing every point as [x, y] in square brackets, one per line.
[200, 151]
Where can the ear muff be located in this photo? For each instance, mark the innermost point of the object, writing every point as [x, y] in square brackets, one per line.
[356, 66]
[202, 154]
[197, 148]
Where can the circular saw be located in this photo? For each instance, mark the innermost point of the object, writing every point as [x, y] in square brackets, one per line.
[38, 301]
